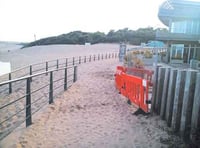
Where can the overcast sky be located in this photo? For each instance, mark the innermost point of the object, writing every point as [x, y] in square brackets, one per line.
[21, 19]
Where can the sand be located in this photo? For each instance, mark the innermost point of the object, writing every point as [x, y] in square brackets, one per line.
[91, 113]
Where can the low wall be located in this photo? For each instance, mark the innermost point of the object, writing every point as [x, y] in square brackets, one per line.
[176, 99]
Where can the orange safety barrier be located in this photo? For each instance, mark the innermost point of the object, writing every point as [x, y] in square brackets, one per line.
[135, 88]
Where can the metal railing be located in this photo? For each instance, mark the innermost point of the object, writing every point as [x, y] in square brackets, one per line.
[22, 97]
[49, 65]
[14, 109]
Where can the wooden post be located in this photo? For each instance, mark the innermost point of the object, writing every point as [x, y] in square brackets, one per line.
[51, 88]
[195, 122]
[188, 98]
[178, 100]
[155, 82]
[170, 96]
[161, 76]
[165, 93]
[28, 102]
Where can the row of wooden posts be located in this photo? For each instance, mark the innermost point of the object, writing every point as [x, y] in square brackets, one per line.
[176, 98]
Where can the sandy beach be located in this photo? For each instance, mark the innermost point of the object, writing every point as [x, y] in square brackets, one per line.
[91, 113]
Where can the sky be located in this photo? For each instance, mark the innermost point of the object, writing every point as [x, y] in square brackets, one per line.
[20, 20]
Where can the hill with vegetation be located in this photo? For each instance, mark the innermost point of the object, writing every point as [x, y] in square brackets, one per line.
[134, 37]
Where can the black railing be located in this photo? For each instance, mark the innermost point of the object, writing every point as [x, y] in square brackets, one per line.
[21, 98]
[12, 109]
[49, 65]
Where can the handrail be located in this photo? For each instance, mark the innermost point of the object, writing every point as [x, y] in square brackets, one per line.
[47, 65]
[24, 97]
[48, 61]
[31, 76]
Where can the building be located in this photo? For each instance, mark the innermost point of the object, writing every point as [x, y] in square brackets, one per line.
[182, 17]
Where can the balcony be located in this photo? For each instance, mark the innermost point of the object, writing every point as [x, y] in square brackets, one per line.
[167, 36]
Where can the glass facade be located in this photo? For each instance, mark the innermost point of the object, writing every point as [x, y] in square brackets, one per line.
[186, 27]
[183, 19]
[177, 51]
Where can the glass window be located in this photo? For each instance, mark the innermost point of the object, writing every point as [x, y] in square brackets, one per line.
[186, 27]
[177, 51]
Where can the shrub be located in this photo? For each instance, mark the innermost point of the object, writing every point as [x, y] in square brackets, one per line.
[132, 60]
[148, 54]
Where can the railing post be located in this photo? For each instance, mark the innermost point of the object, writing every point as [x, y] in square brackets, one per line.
[66, 62]
[79, 59]
[102, 56]
[30, 72]
[10, 84]
[90, 58]
[57, 64]
[28, 102]
[65, 80]
[51, 88]
[73, 60]
[94, 57]
[75, 74]
[106, 56]
[109, 55]
[98, 57]
[85, 60]
[47, 67]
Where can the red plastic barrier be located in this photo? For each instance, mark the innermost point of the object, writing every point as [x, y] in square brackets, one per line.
[133, 87]
[143, 73]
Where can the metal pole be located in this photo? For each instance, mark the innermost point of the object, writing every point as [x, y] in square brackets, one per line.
[75, 74]
[28, 102]
[79, 59]
[46, 68]
[10, 84]
[65, 80]
[66, 62]
[156, 60]
[57, 64]
[30, 72]
[51, 88]
[73, 60]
